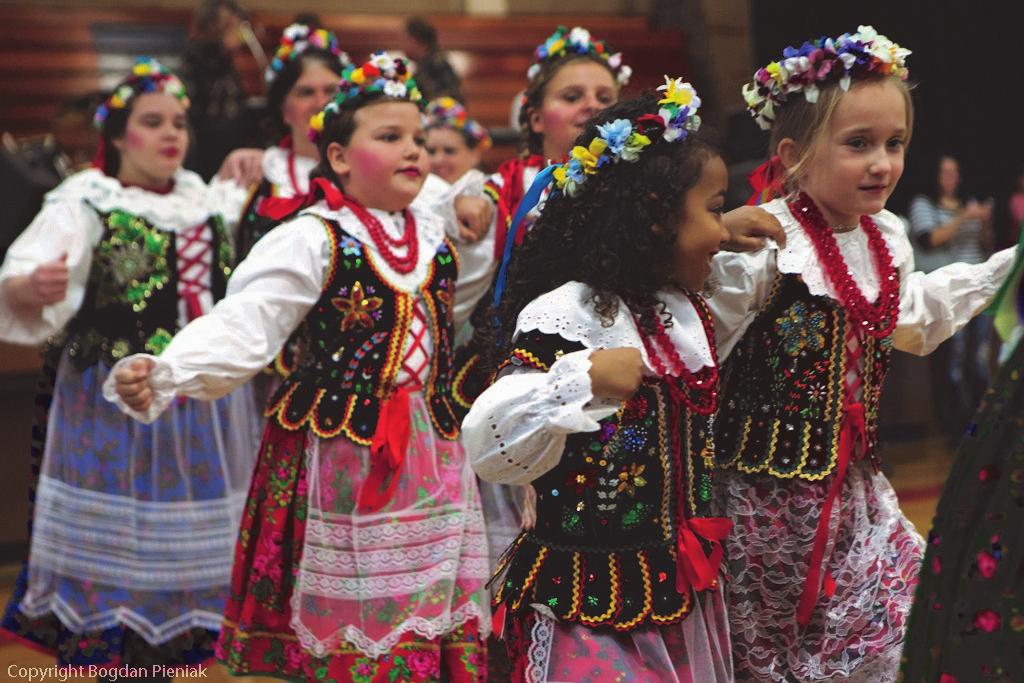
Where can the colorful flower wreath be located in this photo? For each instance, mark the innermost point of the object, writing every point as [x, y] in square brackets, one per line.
[295, 40]
[447, 112]
[623, 140]
[380, 74]
[849, 56]
[147, 76]
[577, 42]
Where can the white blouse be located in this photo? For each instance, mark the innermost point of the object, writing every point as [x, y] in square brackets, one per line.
[516, 430]
[933, 306]
[68, 224]
[268, 296]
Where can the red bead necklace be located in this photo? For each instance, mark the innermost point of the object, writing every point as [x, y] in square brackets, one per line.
[385, 243]
[701, 387]
[877, 319]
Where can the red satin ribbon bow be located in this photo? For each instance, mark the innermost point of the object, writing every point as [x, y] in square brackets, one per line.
[852, 430]
[279, 208]
[766, 180]
[694, 569]
[387, 452]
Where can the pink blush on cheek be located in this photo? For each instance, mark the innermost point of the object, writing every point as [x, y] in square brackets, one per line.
[134, 140]
[366, 163]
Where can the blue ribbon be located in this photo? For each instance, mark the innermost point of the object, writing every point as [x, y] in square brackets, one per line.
[529, 200]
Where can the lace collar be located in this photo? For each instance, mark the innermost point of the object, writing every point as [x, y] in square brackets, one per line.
[567, 312]
[184, 207]
[275, 170]
[799, 258]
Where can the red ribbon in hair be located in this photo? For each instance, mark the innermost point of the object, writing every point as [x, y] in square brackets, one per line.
[279, 208]
[766, 180]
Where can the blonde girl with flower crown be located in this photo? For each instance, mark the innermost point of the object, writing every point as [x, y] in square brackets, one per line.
[823, 563]
[132, 525]
[362, 555]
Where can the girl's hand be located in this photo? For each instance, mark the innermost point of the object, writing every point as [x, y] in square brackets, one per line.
[616, 373]
[748, 227]
[243, 166]
[474, 215]
[529, 510]
[47, 284]
[133, 384]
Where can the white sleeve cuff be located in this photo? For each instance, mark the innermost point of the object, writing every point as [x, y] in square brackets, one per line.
[161, 382]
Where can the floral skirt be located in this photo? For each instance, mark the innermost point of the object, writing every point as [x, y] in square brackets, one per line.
[873, 554]
[116, 645]
[968, 621]
[695, 650]
[322, 589]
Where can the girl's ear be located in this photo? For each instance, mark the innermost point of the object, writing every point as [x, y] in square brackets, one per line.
[476, 155]
[788, 152]
[337, 157]
[536, 122]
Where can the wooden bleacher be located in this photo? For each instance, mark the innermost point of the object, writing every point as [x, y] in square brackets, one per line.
[47, 54]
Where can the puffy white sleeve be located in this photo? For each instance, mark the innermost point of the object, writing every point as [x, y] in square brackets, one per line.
[268, 296]
[227, 198]
[936, 305]
[64, 226]
[742, 282]
[516, 429]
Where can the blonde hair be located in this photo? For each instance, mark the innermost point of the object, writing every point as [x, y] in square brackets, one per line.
[806, 123]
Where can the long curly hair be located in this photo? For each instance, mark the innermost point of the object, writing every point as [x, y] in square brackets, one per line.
[615, 235]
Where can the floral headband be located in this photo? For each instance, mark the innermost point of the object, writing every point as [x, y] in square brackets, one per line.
[623, 140]
[147, 76]
[295, 40]
[577, 42]
[447, 112]
[381, 74]
[851, 55]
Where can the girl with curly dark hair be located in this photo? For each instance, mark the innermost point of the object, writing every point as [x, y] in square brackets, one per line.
[603, 404]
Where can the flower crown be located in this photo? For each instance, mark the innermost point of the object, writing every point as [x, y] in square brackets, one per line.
[295, 40]
[851, 55]
[380, 74]
[577, 42]
[623, 140]
[147, 76]
[447, 112]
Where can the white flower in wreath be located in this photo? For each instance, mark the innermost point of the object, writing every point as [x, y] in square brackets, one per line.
[624, 74]
[533, 71]
[579, 36]
[382, 61]
[395, 89]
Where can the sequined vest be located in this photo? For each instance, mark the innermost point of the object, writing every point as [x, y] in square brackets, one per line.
[353, 343]
[783, 386]
[131, 298]
[252, 226]
[603, 551]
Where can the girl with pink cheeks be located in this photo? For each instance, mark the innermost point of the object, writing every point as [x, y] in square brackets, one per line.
[133, 525]
[822, 560]
[362, 554]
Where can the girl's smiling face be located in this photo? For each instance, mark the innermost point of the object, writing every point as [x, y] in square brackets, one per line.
[858, 158]
[577, 91]
[700, 231]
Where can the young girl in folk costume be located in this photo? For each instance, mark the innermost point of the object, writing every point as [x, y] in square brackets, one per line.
[362, 554]
[133, 525]
[823, 563]
[301, 79]
[455, 142]
[968, 615]
[604, 404]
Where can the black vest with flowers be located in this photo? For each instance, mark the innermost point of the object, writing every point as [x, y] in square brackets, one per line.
[131, 298]
[783, 386]
[603, 551]
[353, 342]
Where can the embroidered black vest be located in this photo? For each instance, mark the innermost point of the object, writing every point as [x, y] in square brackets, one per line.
[783, 386]
[353, 343]
[603, 552]
[131, 299]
